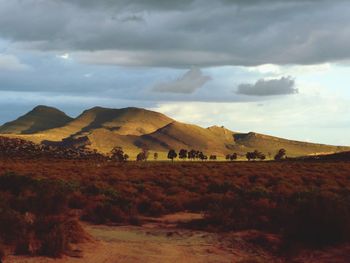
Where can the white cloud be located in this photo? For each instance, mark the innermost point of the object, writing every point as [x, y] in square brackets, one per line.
[266, 69]
[306, 69]
[277, 70]
[64, 56]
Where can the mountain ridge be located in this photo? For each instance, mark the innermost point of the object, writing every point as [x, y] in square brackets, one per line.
[136, 128]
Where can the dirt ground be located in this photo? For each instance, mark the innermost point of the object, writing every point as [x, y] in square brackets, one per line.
[160, 240]
[156, 241]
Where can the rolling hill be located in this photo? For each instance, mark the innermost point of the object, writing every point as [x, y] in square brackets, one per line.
[39, 119]
[135, 129]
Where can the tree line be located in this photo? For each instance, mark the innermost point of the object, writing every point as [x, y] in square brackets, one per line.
[117, 154]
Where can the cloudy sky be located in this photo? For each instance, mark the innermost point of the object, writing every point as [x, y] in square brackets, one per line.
[279, 67]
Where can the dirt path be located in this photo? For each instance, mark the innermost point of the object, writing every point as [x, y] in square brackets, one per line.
[156, 241]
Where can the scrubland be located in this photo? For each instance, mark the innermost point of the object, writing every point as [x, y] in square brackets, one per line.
[304, 204]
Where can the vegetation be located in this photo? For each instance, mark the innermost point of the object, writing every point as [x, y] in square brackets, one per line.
[172, 155]
[117, 154]
[281, 154]
[142, 156]
[304, 202]
[33, 216]
[231, 157]
[212, 157]
[183, 154]
[193, 154]
[155, 156]
[202, 156]
[255, 155]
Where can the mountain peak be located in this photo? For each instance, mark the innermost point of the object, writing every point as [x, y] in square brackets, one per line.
[40, 118]
[42, 109]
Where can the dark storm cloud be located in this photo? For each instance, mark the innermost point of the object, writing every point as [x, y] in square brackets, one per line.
[182, 33]
[282, 86]
[132, 4]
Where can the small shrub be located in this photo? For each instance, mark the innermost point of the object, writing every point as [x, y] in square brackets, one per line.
[57, 233]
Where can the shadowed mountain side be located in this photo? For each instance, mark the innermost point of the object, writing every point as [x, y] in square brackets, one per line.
[127, 121]
[39, 119]
[178, 135]
[104, 140]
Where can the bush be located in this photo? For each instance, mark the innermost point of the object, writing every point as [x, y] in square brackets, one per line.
[12, 225]
[319, 220]
[103, 213]
[2, 252]
[57, 233]
[31, 216]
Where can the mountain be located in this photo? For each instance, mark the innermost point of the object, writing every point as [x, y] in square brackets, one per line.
[127, 121]
[270, 145]
[39, 119]
[134, 129]
[178, 135]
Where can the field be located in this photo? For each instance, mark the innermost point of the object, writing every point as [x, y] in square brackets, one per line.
[289, 211]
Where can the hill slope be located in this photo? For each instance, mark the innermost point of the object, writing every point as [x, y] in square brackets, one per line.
[178, 135]
[39, 119]
[135, 128]
[220, 141]
[126, 121]
[270, 145]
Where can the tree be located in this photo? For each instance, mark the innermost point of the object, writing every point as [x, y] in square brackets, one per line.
[202, 156]
[281, 154]
[155, 156]
[250, 156]
[142, 156]
[183, 154]
[118, 155]
[172, 155]
[126, 157]
[212, 157]
[255, 155]
[231, 157]
[145, 153]
[192, 154]
[197, 154]
[261, 156]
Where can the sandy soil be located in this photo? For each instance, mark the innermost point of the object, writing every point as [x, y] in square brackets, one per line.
[160, 240]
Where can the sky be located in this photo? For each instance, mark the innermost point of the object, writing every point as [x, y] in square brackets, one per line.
[279, 67]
